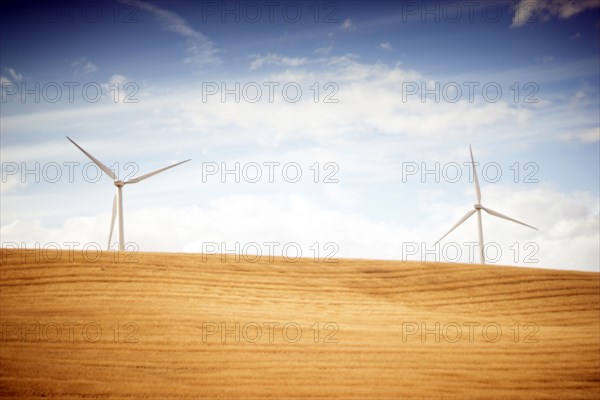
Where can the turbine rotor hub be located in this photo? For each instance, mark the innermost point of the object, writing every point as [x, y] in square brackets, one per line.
[119, 183]
[477, 206]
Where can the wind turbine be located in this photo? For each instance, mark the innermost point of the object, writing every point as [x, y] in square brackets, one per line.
[477, 209]
[118, 199]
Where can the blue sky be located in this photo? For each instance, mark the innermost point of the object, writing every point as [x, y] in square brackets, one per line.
[155, 70]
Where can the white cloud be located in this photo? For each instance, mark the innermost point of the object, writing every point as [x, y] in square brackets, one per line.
[547, 59]
[325, 50]
[120, 79]
[274, 59]
[566, 221]
[201, 51]
[115, 89]
[580, 97]
[385, 46]
[567, 238]
[569, 8]
[16, 77]
[11, 182]
[524, 10]
[356, 114]
[348, 25]
[84, 66]
[369, 132]
[383, 111]
[590, 135]
[536, 11]
[6, 85]
[341, 198]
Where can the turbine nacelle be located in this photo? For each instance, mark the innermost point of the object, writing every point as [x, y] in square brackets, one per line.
[477, 206]
[119, 183]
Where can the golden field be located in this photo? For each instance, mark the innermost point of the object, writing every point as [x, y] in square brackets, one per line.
[191, 326]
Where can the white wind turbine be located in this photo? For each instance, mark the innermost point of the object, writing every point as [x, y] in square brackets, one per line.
[118, 199]
[477, 209]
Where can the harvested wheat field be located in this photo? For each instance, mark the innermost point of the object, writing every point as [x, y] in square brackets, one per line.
[191, 326]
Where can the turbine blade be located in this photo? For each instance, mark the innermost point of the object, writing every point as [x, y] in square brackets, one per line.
[497, 214]
[112, 221]
[96, 161]
[148, 175]
[477, 189]
[463, 219]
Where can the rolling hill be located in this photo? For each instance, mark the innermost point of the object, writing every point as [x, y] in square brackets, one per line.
[160, 325]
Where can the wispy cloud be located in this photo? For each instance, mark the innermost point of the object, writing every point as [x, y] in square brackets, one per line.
[84, 66]
[547, 59]
[591, 135]
[543, 10]
[348, 25]
[15, 76]
[201, 51]
[385, 46]
[325, 50]
[274, 59]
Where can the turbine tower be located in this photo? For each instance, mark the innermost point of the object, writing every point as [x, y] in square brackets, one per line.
[477, 209]
[118, 199]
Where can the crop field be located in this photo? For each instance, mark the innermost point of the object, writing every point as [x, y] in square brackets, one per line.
[156, 325]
